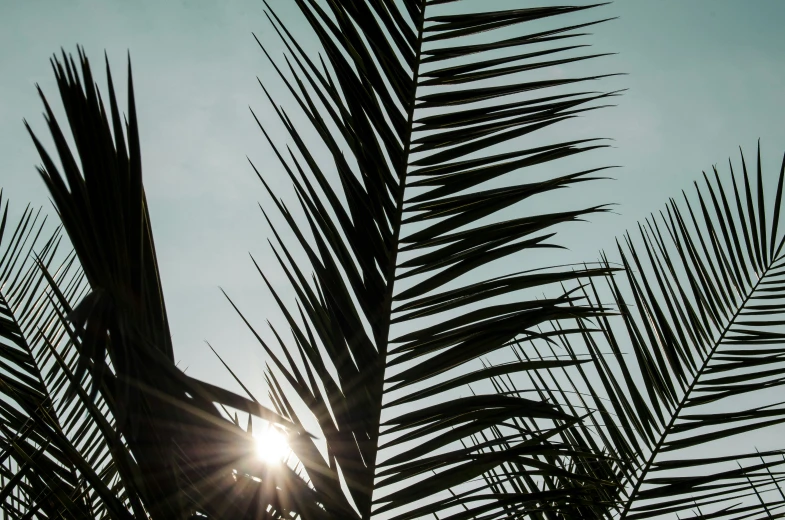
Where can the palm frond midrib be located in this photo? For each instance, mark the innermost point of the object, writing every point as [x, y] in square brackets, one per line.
[383, 336]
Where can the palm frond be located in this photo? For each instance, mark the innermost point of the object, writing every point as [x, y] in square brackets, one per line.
[413, 130]
[172, 445]
[55, 458]
[695, 360]
[399, 226]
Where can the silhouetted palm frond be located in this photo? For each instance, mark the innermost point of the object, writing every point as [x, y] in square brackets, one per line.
[168, 443]
[54, 456]
[695, 365]
[416, 135]
[399, 225]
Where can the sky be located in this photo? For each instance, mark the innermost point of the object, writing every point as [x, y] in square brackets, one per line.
[704, 77]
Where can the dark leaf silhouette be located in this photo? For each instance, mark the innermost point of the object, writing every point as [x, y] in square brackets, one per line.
[411, 157]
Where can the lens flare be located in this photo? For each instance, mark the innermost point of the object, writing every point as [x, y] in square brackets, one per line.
[271, 446]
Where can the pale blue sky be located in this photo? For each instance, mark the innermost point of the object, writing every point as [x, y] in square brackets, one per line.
[705, 76]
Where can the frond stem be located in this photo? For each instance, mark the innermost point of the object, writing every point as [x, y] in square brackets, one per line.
[386, 310]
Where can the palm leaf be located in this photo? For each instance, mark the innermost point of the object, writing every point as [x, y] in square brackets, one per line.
[55, 460]
[173, 444]
[399, 226]
[695, 361]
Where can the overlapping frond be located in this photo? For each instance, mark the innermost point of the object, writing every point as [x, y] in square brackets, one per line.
[427, 136]
[417, 133]
[694, 366]
[174, 449]
[55, 458]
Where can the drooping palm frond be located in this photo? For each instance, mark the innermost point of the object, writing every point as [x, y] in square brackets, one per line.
[399, 225]
[173, 449]
[694, 366]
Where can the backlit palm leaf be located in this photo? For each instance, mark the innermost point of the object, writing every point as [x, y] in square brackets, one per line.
[414, 132]
[173, 446]
[696, 360]
[395, 226]
[56, 456]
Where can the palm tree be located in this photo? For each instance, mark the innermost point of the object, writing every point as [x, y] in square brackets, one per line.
[381, 383]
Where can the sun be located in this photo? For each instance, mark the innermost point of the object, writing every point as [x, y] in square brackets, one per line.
[271, 446]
